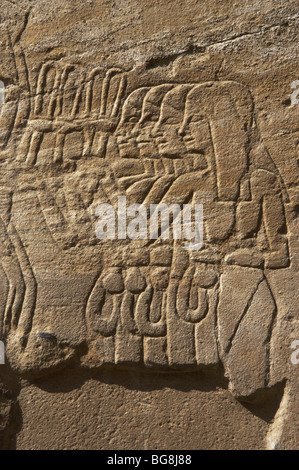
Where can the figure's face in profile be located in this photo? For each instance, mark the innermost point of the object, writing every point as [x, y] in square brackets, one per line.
[195, 132]
[127, 146]
[169, 142]
[126, 135]
[145, 140]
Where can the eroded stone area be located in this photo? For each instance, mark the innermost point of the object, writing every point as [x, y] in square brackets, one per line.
[186, 107]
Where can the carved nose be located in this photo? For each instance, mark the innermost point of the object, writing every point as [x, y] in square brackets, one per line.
[182, 131]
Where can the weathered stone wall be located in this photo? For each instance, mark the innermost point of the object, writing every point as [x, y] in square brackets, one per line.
[141, 343]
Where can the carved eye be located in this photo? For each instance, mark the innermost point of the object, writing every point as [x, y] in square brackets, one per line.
[2, 92]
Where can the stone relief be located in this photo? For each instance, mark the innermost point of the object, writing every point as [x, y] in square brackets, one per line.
[82, 139]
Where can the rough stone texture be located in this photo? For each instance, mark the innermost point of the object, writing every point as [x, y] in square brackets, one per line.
[126, 344]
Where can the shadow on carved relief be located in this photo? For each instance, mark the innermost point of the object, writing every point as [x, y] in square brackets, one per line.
[82, 139]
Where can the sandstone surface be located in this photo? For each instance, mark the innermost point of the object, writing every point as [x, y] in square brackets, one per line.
[140, 343]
